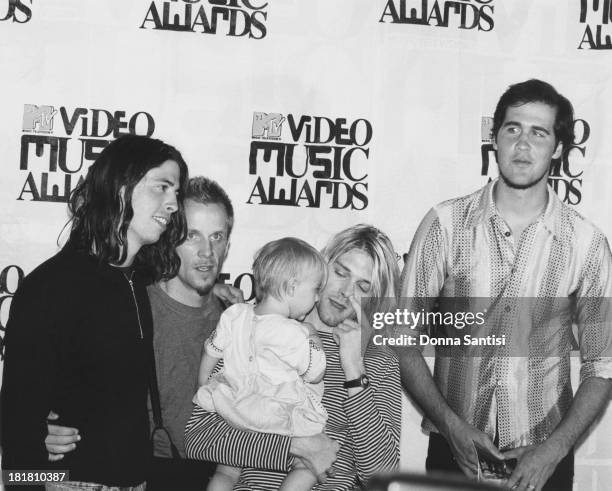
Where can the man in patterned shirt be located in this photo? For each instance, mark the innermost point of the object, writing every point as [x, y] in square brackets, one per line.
[511, 241]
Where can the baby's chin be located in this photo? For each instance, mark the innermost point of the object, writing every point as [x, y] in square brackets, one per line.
[300, 317]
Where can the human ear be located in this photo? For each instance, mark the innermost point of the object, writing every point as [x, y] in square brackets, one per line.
[227, 247]
[291, 286]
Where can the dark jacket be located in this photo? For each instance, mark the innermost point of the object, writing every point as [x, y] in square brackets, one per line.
[74, 345]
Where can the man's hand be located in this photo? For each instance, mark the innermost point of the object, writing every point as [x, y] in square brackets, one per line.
[348, 336]
[535, 465]
[318, 452]
[463, 439]
[228, 294]
[60, 439]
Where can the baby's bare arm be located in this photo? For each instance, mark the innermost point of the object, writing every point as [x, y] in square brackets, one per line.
[207, 366]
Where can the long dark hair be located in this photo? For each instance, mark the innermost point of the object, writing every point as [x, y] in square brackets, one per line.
[101, 206]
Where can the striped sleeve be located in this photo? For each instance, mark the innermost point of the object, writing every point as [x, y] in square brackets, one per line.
[209, 437]
[374, 416]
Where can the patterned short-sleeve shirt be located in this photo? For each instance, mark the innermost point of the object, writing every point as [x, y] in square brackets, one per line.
[463, 248]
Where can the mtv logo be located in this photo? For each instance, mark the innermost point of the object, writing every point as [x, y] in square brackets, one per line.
[486, 129]
[267, 126]
[38, 118]
[487, 150]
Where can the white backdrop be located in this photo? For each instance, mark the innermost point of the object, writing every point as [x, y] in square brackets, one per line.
[414, 89]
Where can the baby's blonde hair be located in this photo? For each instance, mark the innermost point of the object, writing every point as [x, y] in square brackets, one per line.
[280, 261]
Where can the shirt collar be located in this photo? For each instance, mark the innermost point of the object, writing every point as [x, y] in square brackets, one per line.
[485, 209]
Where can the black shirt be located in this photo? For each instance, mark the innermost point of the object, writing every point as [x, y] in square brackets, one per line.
[78, 342]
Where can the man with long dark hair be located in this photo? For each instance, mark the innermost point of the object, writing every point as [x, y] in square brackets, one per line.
[78, 339]
[186, 309]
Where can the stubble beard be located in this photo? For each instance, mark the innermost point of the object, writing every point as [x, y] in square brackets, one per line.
[331, 320]
[528, 185]
[204, 290]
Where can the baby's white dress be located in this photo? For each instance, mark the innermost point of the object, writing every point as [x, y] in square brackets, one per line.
[268, 361]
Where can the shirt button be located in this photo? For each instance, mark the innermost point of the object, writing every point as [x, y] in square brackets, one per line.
[251, 358]
[507, 234]
[507, 308]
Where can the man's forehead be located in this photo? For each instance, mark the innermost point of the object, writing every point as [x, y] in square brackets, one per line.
[536, 111]
[358, 262]
[168, 172]
[209, 215]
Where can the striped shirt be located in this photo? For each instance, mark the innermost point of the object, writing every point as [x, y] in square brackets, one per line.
[464, 248]
[367, 426]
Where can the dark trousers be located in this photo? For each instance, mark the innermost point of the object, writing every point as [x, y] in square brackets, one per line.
[179, 474]
[440, 459]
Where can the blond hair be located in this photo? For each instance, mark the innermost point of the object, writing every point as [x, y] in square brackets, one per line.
[280, 261]
[385, 271]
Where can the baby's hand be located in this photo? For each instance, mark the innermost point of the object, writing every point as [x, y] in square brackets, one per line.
[316, 369]
[313, 334]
